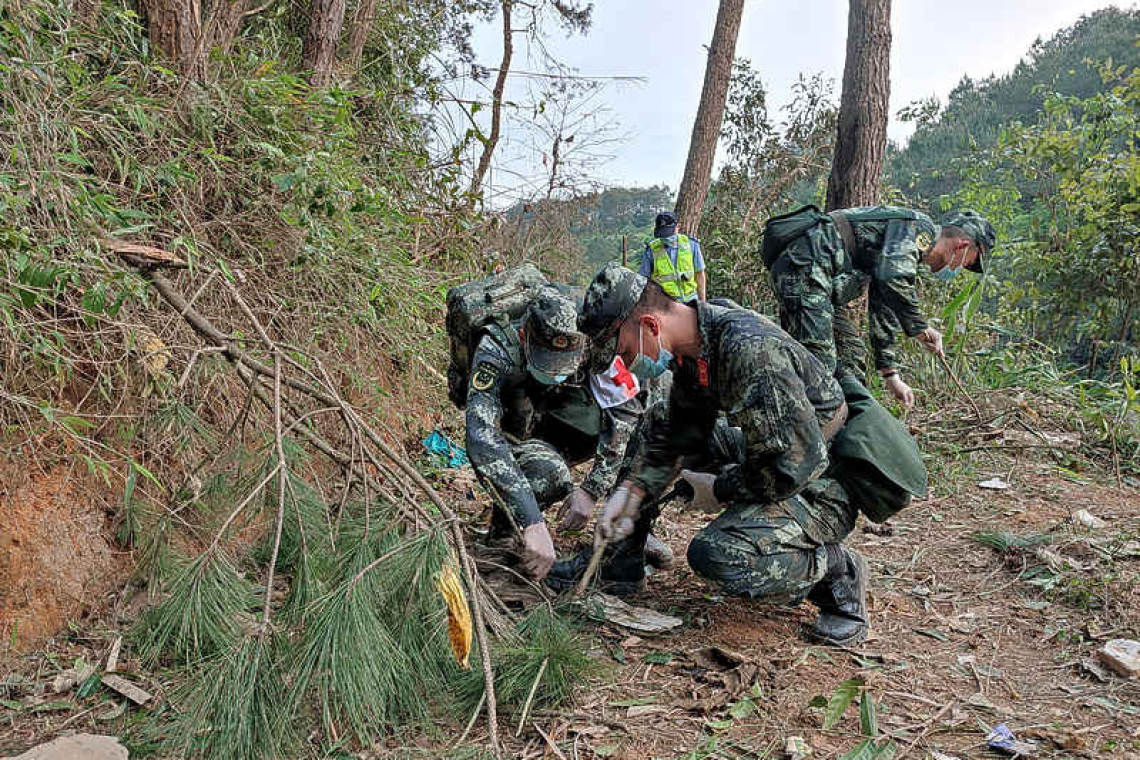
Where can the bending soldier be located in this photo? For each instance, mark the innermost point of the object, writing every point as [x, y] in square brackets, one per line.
[821, 267]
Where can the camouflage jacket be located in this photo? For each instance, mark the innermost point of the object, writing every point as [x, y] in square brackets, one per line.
[887, 253]
[504, 402]
[769, 386]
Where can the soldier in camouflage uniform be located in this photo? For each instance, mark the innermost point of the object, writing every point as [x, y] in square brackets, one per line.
[780, 520]
[531, 415]
[823, 271]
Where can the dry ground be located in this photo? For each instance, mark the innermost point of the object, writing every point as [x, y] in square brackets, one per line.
[964, 637]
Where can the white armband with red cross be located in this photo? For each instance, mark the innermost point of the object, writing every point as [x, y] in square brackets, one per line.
[615, 386]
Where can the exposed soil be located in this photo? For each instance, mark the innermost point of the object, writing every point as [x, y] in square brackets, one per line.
[55, 561]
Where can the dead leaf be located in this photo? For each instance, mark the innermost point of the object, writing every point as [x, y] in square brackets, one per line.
[458, 614]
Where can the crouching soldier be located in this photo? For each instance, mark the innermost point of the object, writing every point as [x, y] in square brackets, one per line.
[781, 518]
[532, 412]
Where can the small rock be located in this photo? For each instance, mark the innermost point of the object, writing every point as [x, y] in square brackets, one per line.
[795, 748]
[1089, 520]
[1123, 656]
[77, 747]
[994, 484]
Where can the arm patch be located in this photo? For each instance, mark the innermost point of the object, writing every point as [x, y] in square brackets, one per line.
[484, 376]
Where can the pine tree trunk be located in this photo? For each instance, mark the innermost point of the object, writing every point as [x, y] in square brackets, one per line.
[706, 128]
[496, 107]
[173, 28]
[361, 23]
[326, 18]
[861, 142]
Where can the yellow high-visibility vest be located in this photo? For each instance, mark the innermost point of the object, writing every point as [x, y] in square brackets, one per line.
[679, 281]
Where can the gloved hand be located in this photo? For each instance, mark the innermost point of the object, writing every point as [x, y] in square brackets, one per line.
[619, 513]
[931, 340]
[900, 390]
[576, 510]
[703, 497]
[538, 551]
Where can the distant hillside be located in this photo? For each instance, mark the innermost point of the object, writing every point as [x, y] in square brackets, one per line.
[597, 222]
[976, 110]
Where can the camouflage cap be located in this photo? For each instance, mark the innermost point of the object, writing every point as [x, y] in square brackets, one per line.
[553, 343]
[979, 229]
[609, 300]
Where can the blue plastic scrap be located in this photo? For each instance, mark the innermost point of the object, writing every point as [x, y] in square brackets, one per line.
[450, 452]
[1003, 740]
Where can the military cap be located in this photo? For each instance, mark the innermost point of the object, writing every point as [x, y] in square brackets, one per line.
[553, 343]
[978, 229]
[609, 300]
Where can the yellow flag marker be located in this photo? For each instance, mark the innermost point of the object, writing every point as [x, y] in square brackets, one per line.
[458, 614]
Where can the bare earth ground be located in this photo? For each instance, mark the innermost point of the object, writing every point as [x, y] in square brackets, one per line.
[964, 637]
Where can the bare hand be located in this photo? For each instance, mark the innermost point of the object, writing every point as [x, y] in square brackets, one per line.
[900, 390]
[703, 497]
[576, 511]
[538, 551]
[619, 513]
[931, 340]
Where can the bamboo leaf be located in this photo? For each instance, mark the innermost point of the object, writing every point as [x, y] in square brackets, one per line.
[868, 718]
[839, 701]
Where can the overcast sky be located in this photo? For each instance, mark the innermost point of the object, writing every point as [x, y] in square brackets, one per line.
[935, 43]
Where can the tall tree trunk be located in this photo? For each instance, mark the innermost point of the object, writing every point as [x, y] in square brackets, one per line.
[706, 128]
[857, 169]
[361, 23]
[173, 27]
[496, 106]
[326, 17]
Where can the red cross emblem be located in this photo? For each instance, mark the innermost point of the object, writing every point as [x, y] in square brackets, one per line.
[622, 376]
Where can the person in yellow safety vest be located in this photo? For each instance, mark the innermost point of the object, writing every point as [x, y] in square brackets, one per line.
[674, 261]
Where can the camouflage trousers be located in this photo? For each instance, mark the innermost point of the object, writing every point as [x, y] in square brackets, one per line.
[774, 552]
[819, 300]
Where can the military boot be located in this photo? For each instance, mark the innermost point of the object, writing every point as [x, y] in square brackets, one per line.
[622, 570]
[842, 598]
[658, 555]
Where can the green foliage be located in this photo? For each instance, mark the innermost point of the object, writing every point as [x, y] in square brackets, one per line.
[775, 164]
[201, 615]
[977, 111]
[236, 707]
[547, 644]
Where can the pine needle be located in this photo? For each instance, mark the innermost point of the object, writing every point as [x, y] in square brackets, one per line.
[201, 614]
[549, 645]
[349, 660]
[1004, 541]
[238, 709]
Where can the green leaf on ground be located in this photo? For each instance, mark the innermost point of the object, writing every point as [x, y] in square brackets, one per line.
[868, 718]
[839, 701]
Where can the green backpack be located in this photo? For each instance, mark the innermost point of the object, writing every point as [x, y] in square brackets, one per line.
[474, 307]
[783, 229]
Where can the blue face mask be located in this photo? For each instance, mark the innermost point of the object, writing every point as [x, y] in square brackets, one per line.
[948, 273]
[544, 377]
[646, 368]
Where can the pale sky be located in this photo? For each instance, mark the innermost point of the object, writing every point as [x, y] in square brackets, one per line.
[935, 43]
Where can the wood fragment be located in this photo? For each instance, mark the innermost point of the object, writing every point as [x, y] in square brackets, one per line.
[129, 690]
[113, 655]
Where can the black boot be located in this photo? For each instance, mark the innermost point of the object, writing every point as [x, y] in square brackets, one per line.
[622, 572]
[658, 555]
[842, 598]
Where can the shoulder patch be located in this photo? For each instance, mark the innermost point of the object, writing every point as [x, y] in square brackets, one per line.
[484, 376]
[924, 240]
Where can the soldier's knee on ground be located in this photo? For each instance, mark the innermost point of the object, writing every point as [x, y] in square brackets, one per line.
[738, 568]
